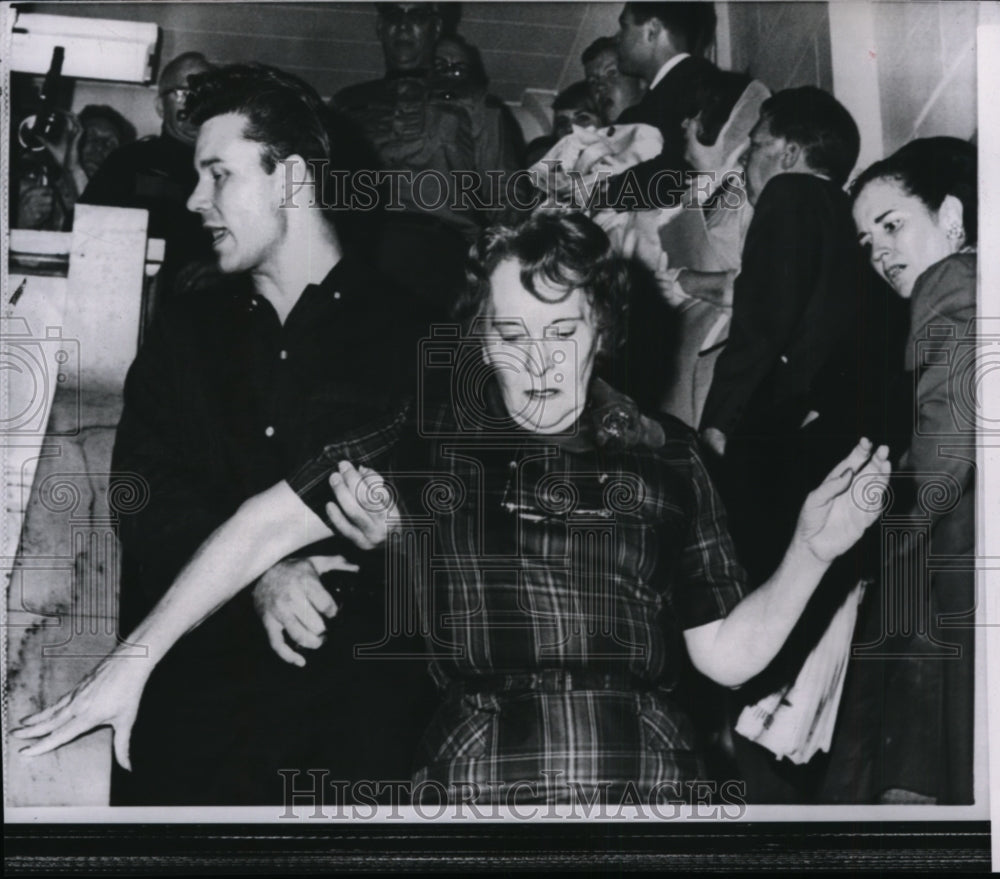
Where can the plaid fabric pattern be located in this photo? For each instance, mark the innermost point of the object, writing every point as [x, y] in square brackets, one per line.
[525, 552]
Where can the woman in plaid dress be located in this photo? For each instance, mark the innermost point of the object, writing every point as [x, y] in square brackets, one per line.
[560, 549]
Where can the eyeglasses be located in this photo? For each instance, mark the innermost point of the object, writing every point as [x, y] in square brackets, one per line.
[458, 69]
[397, 15]
[181, 93]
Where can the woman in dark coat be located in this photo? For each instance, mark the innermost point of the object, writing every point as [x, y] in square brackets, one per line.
[916, 212]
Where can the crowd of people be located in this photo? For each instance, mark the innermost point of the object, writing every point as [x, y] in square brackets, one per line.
[612, 504]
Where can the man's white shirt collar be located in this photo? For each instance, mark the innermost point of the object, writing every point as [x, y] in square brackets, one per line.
[666, 68]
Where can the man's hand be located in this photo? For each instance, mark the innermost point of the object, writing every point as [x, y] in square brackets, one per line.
[836, 514]
[35, 207]
[715, 439]
[290, 598]
[364, 508]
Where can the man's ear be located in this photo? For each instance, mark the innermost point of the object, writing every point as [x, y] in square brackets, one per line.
[791, 155]
[951, 215]
[159, 105]
[293, 179]
[301, 169]
[654, 27]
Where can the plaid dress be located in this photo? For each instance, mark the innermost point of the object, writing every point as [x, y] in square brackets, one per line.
[551, 577]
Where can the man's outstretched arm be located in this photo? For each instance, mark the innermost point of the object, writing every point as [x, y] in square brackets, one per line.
[264, 530]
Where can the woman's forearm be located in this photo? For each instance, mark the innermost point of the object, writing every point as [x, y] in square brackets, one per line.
[742, 644]
[263, 531]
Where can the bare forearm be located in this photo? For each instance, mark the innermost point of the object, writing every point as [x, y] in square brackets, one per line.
[262, 532]
[745, 642]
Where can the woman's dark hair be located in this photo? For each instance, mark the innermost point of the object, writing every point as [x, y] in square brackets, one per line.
[567, 251]
[126, 130]
[286, 116]
[716, 95]
[930, 169]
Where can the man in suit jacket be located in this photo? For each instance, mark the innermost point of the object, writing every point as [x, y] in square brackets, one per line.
[795, 302]
[661, 43]
[800, 373]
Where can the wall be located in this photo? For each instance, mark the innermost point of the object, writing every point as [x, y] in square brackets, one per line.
[781, 44]
[903, 69]
[926, 69]
[524, 45]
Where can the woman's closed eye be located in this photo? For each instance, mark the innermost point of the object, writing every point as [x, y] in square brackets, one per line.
[562, 330]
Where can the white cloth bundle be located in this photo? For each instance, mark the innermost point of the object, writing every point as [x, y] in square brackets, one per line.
[572, 169]
[797, 721]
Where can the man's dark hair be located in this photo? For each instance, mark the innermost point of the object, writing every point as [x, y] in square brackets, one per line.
[286, 116]
[599, 46]
[93, 112]
[819, 124]
[430, 5]
[567, 251]
[574, 97]
[716, 95]
[930, 169]
[174, 64]
[692, 25]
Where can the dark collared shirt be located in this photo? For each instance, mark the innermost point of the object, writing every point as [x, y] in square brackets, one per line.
[221, 401]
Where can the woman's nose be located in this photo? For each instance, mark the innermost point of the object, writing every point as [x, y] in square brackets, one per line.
[545, 356]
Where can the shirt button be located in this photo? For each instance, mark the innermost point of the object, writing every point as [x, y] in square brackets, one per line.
[283, 355]
[269, 431]
[336, 294]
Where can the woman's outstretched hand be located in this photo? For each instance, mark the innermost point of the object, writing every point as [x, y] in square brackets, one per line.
[364, 507]
[108, 696]
[836, 514]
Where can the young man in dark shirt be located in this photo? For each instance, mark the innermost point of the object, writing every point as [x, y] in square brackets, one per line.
[293, 342]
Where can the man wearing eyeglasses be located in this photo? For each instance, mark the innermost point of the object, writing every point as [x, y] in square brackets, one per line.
[157, 174]
[432, 140]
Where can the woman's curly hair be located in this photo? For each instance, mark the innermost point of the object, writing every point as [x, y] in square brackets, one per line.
[567, 251]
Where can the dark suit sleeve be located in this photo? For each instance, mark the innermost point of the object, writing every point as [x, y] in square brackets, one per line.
[780, 257]
[659, 182]
[655, 183]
